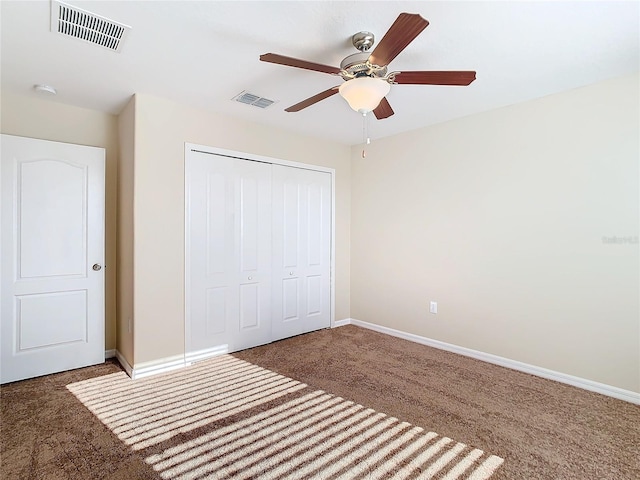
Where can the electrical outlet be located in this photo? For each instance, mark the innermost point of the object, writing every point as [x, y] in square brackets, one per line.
[433, 307]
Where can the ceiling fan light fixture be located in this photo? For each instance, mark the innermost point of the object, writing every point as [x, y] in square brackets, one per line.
[363, 94]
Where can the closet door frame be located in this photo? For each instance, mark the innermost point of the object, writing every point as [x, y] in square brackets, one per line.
[215, 151]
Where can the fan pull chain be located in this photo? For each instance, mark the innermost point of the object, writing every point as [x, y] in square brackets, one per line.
[365, 134]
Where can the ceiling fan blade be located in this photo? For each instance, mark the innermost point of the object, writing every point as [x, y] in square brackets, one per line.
[383, 110]
[295, 62]
[311, 100]
[435, 78]
[403, 31]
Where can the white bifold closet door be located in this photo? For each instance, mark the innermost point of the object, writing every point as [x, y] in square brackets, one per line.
[258, 252]
[229, 221]
[301, 251]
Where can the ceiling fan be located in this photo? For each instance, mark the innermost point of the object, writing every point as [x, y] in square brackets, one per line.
[367, 80]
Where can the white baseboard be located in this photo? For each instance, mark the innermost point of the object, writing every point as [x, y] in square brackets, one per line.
[341, 323]
[123, 362]
[146, 369]
[602, 388]
[109, 353]
[162, 365]
[192, 357]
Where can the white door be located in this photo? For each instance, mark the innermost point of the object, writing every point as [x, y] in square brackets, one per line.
[52, 253]
[228, 253]
[301, 251]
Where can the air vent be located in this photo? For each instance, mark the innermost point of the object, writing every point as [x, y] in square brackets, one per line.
[87, 26]
[255, 100]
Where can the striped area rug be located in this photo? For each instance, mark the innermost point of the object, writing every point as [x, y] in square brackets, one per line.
[227, 418]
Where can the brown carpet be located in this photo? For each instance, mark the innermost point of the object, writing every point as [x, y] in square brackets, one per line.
[343, 403]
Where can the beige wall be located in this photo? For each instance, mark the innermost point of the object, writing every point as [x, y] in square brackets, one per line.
[161, 129]
[500, 218]
[126, 130]
[31, 116]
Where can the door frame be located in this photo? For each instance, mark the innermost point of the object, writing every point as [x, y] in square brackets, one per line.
[191, 357]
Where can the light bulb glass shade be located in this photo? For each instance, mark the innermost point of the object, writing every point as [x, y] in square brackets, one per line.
[364, 93]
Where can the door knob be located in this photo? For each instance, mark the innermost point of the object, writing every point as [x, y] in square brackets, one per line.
[290, 273]
[250, 278]
[96, 267]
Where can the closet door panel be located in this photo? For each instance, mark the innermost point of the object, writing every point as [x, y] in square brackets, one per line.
[249, 241]
[287, 243]
[229, 252]
[301, 251]
[314, 295]
[249, 307]
[314, 223]
[210, 284]
[217, 216]
[290, 251]
[290, 299]
[253, 254]
[317, 259]
[217, 306]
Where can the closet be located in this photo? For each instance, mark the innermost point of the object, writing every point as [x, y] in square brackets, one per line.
[258, 250]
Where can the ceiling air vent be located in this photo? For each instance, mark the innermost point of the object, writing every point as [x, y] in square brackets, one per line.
[255, 100]
[89, 27]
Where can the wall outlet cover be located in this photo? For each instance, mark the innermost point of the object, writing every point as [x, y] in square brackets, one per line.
[433, 307]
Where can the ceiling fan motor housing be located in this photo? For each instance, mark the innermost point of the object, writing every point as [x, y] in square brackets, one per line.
[356, 65]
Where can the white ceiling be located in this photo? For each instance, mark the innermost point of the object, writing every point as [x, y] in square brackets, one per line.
[205, 53]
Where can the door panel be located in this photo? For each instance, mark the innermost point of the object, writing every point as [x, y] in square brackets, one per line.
[318, 262]
[301, 253]
[314, 225]
[290, 299]
[216, 223]
[228, 217]
[210, 279]
[249, 307]
[248, 210]
[44, 210]
[253, 231]
[66, 319]
[291, 223]
[216, 308]
[52, 233]
[314, 295]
